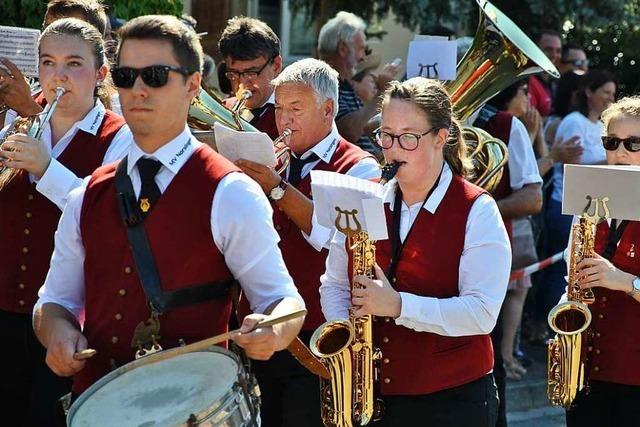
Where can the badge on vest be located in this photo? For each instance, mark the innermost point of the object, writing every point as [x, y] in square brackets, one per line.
[145, 205]
[146, 336]
[631, 252]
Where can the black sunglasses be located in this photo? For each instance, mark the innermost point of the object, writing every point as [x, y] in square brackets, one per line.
[152, 76]
[631, 144]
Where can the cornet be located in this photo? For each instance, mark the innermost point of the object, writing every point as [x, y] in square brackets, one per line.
[32, 126]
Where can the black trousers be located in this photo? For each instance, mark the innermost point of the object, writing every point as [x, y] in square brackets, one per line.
[606, 405]
[290, 394]
[499, 372]
[29, 391]
[474, 405]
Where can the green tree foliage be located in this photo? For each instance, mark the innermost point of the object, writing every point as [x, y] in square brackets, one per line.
[608, 29]
[30, 13]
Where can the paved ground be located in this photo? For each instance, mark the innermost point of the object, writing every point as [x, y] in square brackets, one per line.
[527, 404]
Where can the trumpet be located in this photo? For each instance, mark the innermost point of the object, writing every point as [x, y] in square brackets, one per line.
[32, 126]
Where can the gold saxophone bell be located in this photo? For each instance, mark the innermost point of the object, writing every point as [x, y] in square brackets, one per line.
[32, 126]
[570, 320]
[500, 54]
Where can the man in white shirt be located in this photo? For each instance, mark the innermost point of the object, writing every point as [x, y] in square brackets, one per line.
[91, 298]
[306, 95]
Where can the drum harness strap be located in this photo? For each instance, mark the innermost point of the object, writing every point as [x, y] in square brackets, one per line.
[160, 301]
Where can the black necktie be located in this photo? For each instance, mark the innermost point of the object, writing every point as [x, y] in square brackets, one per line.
[149, 191]
[296, 165]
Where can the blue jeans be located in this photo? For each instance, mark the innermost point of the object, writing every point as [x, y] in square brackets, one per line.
[552, 279]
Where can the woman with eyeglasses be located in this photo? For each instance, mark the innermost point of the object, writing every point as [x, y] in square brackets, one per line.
[441, 275]
[596, 92]
[614, 352]
[81, 135]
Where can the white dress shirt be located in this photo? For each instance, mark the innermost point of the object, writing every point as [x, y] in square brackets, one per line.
[523, 167]
[484, 271]
[241, 226]
[57, 181]
[367, 168]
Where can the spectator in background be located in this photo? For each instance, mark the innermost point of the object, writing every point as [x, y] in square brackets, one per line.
[364, 79]
[342, 43]
[540, 87]
[573, 59]
[596, 93]
[563, 103]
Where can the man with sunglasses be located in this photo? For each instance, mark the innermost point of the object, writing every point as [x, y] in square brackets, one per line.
[95, 280]
[251, 52]
[306, 95]
[573, 59]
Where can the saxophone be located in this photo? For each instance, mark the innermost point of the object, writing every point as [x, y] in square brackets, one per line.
[570, 320]
[345, 347]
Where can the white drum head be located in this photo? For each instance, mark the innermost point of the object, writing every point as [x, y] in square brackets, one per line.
[159, 394]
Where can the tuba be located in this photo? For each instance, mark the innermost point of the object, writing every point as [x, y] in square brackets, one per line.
[499, 55]
[570, 320]
[207, 109]
[32, 126]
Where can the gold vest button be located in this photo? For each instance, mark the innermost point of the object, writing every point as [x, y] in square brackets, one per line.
[604, 299]
[122, 292]
[21, 285]
[30, 197]
[27, 231]
[23, 267]
[127, 270]
[600, 316]
[387, 380]
[118, 316]
[385, 360]
[25, 250]
[385, 340]
[596, 368]
[21, 302]
[114, 340]
[28, 215]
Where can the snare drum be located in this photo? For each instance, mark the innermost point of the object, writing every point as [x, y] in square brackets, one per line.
[207, 388]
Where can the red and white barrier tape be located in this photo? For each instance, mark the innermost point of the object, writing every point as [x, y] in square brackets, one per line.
[529, 270]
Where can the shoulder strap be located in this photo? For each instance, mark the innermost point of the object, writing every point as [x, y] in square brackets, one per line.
[159, 300]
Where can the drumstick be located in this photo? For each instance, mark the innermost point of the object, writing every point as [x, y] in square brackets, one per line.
[204, 344]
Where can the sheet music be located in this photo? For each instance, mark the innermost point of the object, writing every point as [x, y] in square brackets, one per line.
[236, 145]
[331, 190]
[20, 46]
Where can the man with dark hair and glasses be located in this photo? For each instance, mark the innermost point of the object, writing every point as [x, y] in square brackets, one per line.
[94, 279]
[251, 53]
[573, 59]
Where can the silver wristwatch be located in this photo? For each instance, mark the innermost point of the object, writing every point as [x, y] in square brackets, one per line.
[277, 192]
[635, 287]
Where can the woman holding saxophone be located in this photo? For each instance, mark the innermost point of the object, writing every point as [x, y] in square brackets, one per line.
[78, 137]
[441, 275]
[614, 352]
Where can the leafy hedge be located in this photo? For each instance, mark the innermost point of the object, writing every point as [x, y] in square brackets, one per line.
[30, 13]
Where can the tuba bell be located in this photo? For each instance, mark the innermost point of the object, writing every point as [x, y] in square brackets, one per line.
[207, 109]
[499, 55]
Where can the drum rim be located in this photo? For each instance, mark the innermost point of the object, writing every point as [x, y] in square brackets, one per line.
[134, 364]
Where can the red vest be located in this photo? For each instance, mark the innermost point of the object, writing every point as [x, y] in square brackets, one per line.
[500, 127]
[615, 356]
[414, 362]
[266, 122]
[305, 264]
[185, 255]
[29, 220]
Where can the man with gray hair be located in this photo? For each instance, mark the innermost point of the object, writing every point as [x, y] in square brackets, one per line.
[306, 99]
[342, 43]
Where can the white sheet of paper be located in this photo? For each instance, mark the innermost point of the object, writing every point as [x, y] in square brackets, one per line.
[236, 145]
[333, 190]
[617, 183]
[435, 59]
[20, 46]
[422, 37]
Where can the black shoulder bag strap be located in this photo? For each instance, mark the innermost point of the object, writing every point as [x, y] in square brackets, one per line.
[160, 301]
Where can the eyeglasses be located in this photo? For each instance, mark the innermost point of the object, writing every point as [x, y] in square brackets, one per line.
[631, 144]
[248, 74]
[408, 141]
[152, 76]
[576, 62]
